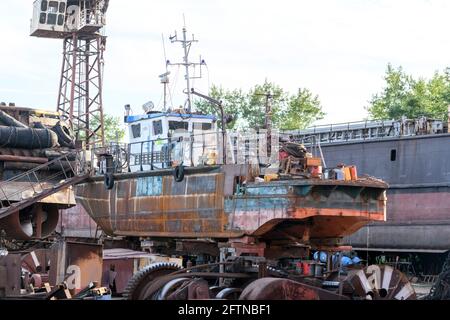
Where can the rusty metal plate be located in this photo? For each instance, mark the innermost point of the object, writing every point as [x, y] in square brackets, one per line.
[10, 275]
[76, 263]
[147, 204]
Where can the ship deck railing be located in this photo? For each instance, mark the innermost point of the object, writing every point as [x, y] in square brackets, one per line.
[192, 150]
[367, 130]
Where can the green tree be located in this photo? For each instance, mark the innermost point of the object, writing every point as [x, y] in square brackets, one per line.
[303, 109]
[255, 111]
[233, 101]
[112, 127]
[405, 96]
[249, 108]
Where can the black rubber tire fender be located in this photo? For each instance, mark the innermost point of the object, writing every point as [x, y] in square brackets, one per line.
[109, 181]
[178, 173]
[64, 132]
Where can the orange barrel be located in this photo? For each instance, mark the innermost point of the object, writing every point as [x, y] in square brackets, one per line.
[347, 174]
[354, 172]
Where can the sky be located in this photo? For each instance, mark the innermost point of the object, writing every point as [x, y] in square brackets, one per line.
[338, 49]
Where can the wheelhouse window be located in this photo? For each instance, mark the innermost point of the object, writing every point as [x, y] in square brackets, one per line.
[136, 130]
[178, 125]
[157, 127]
[202, 126]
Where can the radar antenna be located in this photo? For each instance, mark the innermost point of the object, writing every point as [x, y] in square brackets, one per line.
[186, 44]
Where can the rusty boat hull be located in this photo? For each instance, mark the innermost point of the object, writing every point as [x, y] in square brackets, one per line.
[208, 204]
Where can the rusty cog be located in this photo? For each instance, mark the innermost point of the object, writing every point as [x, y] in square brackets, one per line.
[141, 281]
[378, 283]
[36, 261]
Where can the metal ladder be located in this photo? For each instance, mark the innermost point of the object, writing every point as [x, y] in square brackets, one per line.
[36, 189]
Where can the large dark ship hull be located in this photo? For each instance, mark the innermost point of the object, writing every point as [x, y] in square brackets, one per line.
[417, 169]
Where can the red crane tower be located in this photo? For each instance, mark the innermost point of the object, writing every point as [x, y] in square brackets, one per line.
[79, 24]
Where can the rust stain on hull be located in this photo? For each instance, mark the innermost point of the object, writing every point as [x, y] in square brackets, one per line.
[158, 206]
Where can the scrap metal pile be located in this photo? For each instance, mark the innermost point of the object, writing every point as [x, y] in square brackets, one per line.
[244, 280]
[43, 131]
[297, 162]
[441, 289]
[40, 274]
[37, 157]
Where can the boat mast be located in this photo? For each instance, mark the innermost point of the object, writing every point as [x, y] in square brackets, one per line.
[187, 48]
[186, 44]
[165, 76]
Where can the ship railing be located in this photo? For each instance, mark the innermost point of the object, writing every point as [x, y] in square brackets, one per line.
[91, 17]
[369, 129]
[345, 131]
[192, 149]
[31, 183]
